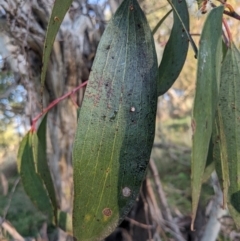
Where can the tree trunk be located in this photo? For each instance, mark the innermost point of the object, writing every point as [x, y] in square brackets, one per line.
[23, 28]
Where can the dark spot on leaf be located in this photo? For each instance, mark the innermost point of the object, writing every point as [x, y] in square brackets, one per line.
[107, 212]
[108, 47]
[56, 19]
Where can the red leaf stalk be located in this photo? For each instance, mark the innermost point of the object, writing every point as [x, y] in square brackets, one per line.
[55, 102]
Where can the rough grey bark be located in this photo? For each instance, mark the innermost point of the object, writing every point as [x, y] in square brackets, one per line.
[22, 32]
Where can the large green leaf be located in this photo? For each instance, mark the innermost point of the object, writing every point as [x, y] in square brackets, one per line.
[175, 52]
[31, 181]
[42, 168]
[205, 103]
[229, 107]
[116, 125]
[58, 12]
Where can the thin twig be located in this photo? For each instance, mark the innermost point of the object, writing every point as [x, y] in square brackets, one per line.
[74, 102]
[11, 230]
[141, 225]
[195, 34]
[155, 210]
[146, 215]
[227, 30]
[152, 201]
[55, 102]
[167, 214]
[194, 47]
[230, 13]
[10, 199]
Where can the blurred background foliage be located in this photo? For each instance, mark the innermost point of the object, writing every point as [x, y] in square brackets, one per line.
[172, 146]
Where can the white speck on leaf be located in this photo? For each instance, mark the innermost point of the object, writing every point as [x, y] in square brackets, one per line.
[126, 192]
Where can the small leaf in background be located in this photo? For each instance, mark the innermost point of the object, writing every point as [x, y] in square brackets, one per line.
[175, 52]
[58, 12]
[40, 150]
[206, 97]
[229, 107]
[116, 125]
[31, 181]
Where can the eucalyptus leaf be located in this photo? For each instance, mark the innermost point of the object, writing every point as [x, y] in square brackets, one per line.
[206, 98]
[41, 161]
[229, 108]
[32, 182]
[175, 52]
[58, 12]
[116, 125]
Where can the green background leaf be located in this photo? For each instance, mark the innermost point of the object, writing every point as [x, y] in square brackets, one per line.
[229, 107]
[58, 12]
[175, 52]
[206, 97]
[31, 181]
[41, 161]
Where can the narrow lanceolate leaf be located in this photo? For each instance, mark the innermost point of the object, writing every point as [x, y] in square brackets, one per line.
[175, 52]
[31, 181]
[41, 162]
[205, 103]
[116, 125]
[58, 12]
[220, 154]
[229, 106]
